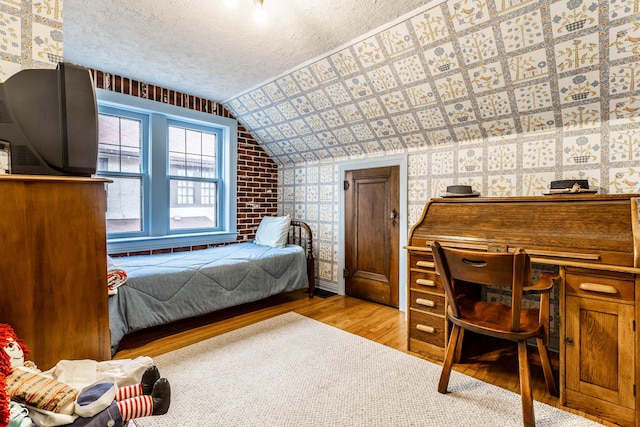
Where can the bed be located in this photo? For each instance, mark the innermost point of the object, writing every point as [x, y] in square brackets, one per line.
[163, 288]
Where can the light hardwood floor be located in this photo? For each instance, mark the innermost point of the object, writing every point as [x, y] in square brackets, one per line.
[494, 362]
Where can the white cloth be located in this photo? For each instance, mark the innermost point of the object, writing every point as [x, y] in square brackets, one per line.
[80, 374]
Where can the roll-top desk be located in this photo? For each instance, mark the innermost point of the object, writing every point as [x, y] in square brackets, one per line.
[594, 240]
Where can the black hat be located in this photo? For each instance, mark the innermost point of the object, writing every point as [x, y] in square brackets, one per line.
[569, 186]
[460, 191]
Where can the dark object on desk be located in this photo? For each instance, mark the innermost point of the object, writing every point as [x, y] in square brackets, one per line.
[460, 191]
[568, 183]
[570, 186]
[508, 270]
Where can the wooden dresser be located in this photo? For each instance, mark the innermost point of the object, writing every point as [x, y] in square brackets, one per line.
[53, 266]
[594, 240]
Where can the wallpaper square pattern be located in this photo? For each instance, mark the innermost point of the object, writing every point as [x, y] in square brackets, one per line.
[30, 35]
[502, 95]
[461, 71]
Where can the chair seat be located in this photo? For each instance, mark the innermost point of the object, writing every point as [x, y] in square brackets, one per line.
[494, 318]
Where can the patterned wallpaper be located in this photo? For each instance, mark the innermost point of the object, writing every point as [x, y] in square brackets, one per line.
[505, 96]
[463, 72]
[30, 35]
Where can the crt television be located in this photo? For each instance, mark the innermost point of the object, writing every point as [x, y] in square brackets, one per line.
[49, 118]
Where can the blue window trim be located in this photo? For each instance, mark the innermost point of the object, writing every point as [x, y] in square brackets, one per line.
[158, 236]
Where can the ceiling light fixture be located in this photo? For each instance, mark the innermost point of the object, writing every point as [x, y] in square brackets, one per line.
[259, 14]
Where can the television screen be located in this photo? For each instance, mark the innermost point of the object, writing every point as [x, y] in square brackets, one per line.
[49, 118]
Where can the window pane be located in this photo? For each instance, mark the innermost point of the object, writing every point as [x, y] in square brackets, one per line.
[192, 153]
[130, 132]
[177, 139]
[119, 144]
[207, 193]
[194, 166]
[209, 144]
[124, 201]
[209, 167]
[109, 129]
[194, 142]
[177, 165]
[193, 204]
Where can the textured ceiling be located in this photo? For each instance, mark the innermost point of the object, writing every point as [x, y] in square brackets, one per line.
[204, 48]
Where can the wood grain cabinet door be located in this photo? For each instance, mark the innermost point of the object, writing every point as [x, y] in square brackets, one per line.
[54, 266]
[600, 363]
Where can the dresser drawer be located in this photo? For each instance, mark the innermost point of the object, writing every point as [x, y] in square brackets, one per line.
[427, 328]
[421, 260]
[600, 283]
[425, 281]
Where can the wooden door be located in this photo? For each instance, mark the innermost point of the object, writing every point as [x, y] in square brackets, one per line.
[372, 223]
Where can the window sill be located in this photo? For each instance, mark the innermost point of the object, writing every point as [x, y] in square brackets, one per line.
[138, 244]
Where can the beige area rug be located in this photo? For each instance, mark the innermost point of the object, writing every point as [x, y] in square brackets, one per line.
[294, 371]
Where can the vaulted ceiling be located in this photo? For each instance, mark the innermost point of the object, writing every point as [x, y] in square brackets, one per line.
[337, 79]
[461, 72]
[214, 48]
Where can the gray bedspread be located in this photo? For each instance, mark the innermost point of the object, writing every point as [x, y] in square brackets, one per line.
[162, 288]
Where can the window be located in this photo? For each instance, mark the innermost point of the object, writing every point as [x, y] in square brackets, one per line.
[193, 163]
[173, 174]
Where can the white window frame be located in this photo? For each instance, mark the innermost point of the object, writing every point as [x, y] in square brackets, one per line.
[156, 194]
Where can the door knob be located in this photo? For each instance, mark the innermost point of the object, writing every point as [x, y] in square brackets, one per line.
[393, 215]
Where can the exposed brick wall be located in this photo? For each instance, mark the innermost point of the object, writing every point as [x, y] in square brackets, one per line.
[257, 179]
[257, 185]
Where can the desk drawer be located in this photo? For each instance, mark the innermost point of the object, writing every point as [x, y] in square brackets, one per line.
[429, 303]
[421, 260]
[427, 328]
[426, 281]
[603, 284]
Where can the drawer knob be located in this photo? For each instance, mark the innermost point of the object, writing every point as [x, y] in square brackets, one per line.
[426, 264]
[597, 287]
[426, 282]
[425, 302]
[425, 328]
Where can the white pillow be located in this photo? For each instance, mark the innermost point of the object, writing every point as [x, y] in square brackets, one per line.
[273, 231]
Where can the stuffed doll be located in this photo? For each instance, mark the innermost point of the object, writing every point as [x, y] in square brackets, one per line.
[5, 368]
[4, 403]
[43, 393]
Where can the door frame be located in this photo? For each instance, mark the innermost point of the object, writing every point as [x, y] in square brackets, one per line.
[396, 160]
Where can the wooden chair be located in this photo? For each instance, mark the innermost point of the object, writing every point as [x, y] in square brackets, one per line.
[506, 270]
